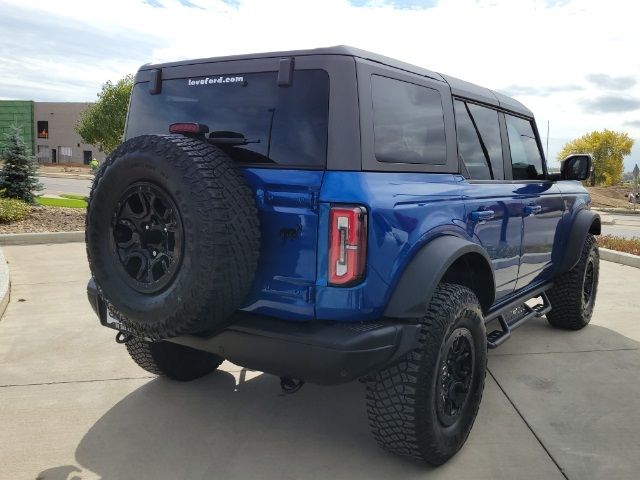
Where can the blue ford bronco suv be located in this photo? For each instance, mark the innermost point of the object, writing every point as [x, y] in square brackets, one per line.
[330, 215]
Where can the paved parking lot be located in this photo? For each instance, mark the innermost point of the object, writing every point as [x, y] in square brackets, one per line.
[58, 185]
[625, 226]
[73, 406]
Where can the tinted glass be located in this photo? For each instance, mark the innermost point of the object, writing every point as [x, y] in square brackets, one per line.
[284, 125]
[469, 146]
[479, 144]
[486, 119]
[526, 160]
[408, 123]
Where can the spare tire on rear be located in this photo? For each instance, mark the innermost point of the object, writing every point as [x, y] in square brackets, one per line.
[172, 235]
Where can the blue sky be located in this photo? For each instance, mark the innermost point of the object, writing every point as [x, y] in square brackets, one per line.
[573, 62]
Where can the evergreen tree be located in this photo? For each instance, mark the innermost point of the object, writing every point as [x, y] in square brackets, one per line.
[19, 175]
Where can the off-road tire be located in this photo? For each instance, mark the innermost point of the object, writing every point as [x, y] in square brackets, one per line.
[220, 235]
[568, 308]
[402, 399]
[172, 360]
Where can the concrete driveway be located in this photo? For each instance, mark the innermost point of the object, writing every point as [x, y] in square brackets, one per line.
[73, 406]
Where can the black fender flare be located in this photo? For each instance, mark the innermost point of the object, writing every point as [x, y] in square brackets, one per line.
[585, 221]
[426, 269]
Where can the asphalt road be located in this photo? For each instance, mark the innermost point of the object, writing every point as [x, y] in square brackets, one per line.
[625, 226]
[557, 404]
[56, 186]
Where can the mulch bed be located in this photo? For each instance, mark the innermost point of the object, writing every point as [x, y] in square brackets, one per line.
[48, 219]
[620, 244]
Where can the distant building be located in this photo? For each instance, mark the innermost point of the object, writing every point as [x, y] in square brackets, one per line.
[52, 136]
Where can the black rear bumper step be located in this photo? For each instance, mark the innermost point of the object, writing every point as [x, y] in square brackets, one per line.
[319, 352]
[328, 352]
[513, 314]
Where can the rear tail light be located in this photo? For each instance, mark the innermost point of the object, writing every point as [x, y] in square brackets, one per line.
[347, 244]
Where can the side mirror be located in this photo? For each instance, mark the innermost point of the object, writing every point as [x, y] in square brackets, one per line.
[576, 167]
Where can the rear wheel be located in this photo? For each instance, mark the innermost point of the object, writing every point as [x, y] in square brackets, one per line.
[172, 360]
[573, 295]
[425, 405]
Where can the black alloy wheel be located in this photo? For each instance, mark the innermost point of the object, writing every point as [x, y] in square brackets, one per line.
[455, 376]
[588, 284]
[147, 237]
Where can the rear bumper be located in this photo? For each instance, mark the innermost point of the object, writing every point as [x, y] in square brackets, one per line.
[315, 351]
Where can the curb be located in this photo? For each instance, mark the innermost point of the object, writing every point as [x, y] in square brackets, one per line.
[41, 238]
[620, 257]
[617, 211]
[75, 176]
[5, 284]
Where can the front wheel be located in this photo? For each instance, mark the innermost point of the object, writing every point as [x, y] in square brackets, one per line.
[573, 294]
[425, 405]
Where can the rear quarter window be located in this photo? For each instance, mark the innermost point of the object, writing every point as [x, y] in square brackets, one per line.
[408, 122]
[284, 126]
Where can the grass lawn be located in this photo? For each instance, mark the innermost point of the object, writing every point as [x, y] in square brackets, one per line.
[74, 196]
[62, 202]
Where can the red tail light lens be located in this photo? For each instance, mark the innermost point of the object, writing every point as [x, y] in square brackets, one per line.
[188, 128]
[347, 244]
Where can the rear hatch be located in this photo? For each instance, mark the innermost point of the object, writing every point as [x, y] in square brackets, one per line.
[282, 126]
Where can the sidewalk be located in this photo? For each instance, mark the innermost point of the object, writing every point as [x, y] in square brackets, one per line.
[73, 405]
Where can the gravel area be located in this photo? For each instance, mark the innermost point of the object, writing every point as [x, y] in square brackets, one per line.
[48, 219]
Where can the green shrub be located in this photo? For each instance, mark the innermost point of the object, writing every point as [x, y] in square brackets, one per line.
[12, 210]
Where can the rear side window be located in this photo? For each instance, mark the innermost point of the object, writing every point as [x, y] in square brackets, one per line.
[526, 160]
[479, 142]
[408, 122]
[282, 125]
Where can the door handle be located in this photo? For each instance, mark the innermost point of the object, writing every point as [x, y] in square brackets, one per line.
[481, 215]
[532, 209]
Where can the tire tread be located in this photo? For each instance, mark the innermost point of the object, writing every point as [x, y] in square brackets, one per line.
[395, 396]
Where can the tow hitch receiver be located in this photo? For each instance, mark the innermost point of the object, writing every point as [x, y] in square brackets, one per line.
[290, 385]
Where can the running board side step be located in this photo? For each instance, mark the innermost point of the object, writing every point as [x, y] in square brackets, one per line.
[515, 313]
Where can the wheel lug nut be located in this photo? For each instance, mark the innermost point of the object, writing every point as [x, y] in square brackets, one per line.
[154, 253]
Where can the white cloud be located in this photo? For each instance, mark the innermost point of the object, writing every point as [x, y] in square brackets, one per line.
[500, 44]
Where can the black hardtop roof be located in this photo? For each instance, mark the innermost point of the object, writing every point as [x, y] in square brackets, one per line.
[458, 87]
